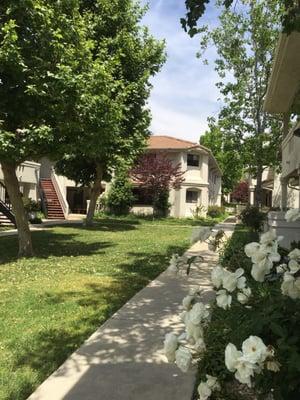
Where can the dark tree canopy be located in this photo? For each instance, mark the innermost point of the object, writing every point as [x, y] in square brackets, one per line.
[196, 8]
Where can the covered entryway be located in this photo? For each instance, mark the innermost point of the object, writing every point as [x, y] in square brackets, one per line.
[77, 199]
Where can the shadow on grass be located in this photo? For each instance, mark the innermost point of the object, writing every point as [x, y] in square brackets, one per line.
[49, 243]
[50, 347]
[107, 224]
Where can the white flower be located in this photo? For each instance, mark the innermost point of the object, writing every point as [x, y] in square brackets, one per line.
[254, 350]
[232, 356]
[268, 237]
[204, 391]
[281, 268]
[223, 299]
[205, 388]
[292, 215]
[194, 291]
[290, 286]
[232, 280]
[229, 281]
[217, 275]
[183, 358]
[294, 255]
[259, 271]
[193, 332]
[200, 346]
[244, 295]
[251, 249]
[294, 266]
[187, 302]
[245, 370]
[170, 346]
[198, 313]
[212, 382]
[273, 366]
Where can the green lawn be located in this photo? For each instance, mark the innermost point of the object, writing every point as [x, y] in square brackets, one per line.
[50, 304]
[164, 221]
[5, 228]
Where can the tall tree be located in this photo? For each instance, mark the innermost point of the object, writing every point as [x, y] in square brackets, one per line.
[196, 9]
[118, 134]
[42, 53]
[227, 149]
[245, 41]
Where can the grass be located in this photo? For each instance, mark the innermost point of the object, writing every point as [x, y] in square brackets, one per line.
[79, 277]
[162, 221]
[5, 228]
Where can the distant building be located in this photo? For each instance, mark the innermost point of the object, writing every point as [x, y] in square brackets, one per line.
[61, 196]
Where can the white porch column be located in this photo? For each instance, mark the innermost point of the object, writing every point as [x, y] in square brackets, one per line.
[252, 190]
[284, 193]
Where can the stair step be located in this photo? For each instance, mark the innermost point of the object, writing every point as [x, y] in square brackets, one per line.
[54, 210]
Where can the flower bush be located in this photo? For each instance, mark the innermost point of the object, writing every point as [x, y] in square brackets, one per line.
[247, 342]
[253, 218]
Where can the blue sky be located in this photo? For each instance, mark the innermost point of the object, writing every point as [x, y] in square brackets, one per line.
[184, 92]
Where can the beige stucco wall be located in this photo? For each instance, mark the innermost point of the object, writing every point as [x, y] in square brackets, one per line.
[292, 194]
[28, 174]
[196, 179]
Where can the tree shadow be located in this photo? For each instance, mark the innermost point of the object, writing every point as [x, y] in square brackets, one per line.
[51, 244]
[113, 225]
[50, 347]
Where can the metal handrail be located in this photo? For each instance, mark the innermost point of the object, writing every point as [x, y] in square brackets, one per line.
[7, 212]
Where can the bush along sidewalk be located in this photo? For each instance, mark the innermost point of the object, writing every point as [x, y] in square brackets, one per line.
[246, 344]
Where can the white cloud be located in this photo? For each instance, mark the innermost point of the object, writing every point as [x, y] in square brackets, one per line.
[184, 92]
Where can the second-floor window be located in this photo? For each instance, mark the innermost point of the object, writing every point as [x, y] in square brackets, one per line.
[193, 160]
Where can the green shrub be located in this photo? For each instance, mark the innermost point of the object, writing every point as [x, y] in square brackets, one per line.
[31, 205]
[215, 211]
[161, 204]
[270, 315]
[120, 197]
[253, 218]
[35, 220]
[233, 252]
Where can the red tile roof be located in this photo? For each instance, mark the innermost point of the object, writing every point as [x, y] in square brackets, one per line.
[169, 142]
[164, 142]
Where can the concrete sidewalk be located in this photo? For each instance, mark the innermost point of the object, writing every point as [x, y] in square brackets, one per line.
[123, 359]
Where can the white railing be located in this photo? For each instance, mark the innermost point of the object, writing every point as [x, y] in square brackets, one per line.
[59, 191]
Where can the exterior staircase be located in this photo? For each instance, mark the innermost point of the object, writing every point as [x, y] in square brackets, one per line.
[6, 215]
[52, 204]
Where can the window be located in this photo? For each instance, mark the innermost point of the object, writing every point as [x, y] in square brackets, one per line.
[193, 160]
[142, 197]
[191, 196]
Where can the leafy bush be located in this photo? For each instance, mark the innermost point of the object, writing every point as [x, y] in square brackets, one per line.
[271, 316]
[31, 205]
[253, 218]
[35, 220]
[120, 197]
[215, 211]
[161, 204]
[233, 253]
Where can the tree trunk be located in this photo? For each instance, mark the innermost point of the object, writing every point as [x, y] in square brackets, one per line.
[95, 193]
[258, 189]
[12, 186]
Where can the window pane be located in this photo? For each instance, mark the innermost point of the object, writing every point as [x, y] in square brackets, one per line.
[193, 160]
[191, 196]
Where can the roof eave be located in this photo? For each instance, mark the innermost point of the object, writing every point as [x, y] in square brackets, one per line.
[284, 82]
